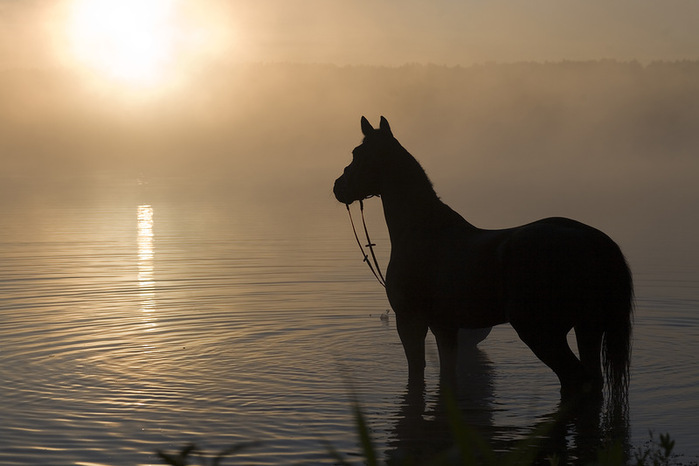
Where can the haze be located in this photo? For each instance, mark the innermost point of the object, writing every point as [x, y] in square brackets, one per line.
[517, 109]
[32, 33]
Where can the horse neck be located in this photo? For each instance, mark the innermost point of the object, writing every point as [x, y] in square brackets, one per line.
[408, 199]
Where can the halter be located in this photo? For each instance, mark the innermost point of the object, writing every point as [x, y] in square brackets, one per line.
[376, 271]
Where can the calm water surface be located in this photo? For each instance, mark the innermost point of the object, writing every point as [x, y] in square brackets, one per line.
[135, 318]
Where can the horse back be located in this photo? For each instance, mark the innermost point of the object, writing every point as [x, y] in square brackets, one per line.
[554, 268]
[452, 272]
[561, 269]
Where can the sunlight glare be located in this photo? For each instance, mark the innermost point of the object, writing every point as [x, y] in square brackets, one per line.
[143, 44]
[146, 283]
[129, 40]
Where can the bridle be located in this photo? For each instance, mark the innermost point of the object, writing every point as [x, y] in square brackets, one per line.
[375, 269]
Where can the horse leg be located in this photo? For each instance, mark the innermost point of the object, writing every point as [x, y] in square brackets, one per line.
[551, 347]
[589, 340]
[412, 332]
[447, 344]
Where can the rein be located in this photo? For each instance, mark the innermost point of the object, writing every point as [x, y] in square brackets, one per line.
[375, 269]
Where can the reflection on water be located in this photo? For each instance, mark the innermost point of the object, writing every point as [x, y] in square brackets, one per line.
[146, 252]
[132, 323]
[424, 426]
[145, 243]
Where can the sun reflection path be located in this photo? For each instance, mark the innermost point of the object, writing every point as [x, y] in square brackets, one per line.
[146, 252]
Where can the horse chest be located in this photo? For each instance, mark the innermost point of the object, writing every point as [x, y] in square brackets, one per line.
[455, 287]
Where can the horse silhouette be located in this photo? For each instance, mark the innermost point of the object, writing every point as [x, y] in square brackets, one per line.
[544, 278]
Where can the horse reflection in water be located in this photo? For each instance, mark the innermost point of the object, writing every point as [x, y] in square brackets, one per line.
[544, 278]
[423, 431]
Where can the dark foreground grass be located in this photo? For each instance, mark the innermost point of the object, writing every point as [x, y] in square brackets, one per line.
[470, 449]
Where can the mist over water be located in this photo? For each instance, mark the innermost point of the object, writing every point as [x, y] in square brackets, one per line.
[176, 268]
[613, 144]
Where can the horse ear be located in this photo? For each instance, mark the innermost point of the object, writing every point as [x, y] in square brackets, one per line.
[383, 126]
[367, 129]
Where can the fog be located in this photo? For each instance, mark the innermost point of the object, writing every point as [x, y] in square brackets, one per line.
[611, 143]
[32, 32]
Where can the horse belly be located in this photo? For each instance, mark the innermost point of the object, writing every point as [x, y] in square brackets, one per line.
[471, 300]
[472, 311]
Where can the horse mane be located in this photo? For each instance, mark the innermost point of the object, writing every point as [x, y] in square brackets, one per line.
[411, 170]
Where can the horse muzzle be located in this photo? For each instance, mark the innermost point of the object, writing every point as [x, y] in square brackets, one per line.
[341, 191]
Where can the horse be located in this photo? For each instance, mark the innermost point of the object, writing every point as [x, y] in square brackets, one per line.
[545, 278]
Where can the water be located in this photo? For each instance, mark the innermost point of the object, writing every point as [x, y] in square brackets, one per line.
[135, 317]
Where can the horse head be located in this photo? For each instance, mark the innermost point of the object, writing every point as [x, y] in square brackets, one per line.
[362, 177]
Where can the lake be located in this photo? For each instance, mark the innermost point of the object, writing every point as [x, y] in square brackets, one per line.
[142, 315]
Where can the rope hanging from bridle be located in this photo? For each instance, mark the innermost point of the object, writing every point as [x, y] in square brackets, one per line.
[375, 269]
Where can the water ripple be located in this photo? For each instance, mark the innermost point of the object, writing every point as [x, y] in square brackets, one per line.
[113, 347]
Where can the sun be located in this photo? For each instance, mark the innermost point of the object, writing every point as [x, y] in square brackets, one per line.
[142, 43]
[126, 40]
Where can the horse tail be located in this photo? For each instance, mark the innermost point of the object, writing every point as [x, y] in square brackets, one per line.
[616, 345]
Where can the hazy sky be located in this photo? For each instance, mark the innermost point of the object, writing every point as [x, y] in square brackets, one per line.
[510, 134]
[34, 32]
